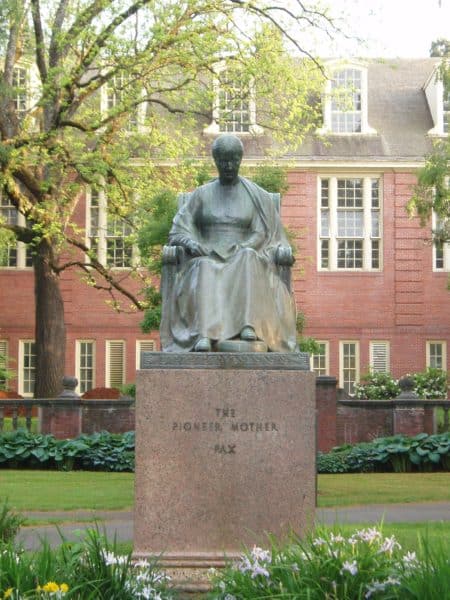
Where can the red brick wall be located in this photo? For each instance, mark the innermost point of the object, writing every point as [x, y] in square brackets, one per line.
[405, 304]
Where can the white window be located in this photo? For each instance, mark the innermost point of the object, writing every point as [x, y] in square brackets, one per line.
[437, 355]
[446, 110]
[143, 346]
[345, 105]
[115, 363]
[441, 251]
[119, 94]
[3, 361]
[438, 98]
[108, 234]
[379, 357]
[349, 235]
[234, 109]
[85, 365]
[348, 365]
[21, 94]
[320, 361]
[15, 254]
[27, 367]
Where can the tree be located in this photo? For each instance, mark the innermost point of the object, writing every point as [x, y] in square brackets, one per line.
[440, 47]
[157, 59]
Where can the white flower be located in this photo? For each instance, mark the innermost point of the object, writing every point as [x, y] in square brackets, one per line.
[351, 567]
[261, 555]
[259, 570]
[389, 544]
[410, 559]
[230, 597]
[113, 559]
[319, 542]
[337, 538]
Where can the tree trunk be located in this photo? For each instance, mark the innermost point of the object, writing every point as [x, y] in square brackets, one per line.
[50, 334]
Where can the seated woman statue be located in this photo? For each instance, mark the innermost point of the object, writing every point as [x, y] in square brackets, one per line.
[229, 287]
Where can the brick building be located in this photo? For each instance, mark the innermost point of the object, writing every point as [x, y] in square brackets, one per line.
[372, 288]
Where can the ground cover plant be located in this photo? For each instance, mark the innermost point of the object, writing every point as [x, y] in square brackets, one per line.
[90, 570]
[366, 564]
[101, 451]
[398, 453]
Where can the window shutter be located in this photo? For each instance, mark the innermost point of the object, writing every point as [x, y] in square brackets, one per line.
[143, 346]
[116, 364]
[379, 357]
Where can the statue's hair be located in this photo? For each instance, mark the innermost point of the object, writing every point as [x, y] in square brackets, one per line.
[227, 142]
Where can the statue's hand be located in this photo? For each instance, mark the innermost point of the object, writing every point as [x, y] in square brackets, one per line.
[284, 256]
[196, 249]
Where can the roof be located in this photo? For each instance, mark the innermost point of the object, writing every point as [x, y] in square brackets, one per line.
[397, 110]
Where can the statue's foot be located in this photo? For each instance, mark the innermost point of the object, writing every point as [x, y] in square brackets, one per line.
[248, 334]
[203, 345]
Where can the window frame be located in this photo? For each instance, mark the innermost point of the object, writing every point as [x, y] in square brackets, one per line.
[78, 367]
[20, 248]
[444, 254]
[214, 128]
[333, 68]
[103, 232]
[21, 370]
[329, 238]
[326, 359]
[342, 369]
[443, 344]
[110, 97]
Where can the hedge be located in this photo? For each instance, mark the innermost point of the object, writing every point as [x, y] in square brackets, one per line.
[397, 453]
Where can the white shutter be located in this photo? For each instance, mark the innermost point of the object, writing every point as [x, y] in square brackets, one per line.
[115, 363]
[143, 346]
[379, 357]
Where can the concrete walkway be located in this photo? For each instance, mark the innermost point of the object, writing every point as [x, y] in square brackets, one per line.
[119, 524]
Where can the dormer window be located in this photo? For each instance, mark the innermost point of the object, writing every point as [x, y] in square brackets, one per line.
[118, 94]
[345, 101]
[234, 109]
[234, 104]
[438, 98]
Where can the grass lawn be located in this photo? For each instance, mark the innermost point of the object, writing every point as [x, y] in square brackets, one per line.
[58, 490]
[55, 490]
[382, 488]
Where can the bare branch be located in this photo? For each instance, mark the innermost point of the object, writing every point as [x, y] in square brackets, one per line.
[104, 272]
[56, 31]
[40, 39]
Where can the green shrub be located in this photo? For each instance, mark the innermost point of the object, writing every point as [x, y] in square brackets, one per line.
[431, 383]
[397, 453]
[97, 452]
[10, 523]
[377, 386]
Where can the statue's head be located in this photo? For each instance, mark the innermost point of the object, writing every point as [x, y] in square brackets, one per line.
[227, 151]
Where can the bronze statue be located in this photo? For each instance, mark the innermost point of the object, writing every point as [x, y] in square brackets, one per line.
[227, 285]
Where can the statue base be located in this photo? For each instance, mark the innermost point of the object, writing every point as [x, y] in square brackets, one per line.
[225, 455]
[241, 346]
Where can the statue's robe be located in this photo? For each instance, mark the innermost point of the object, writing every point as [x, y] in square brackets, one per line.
[237, 284]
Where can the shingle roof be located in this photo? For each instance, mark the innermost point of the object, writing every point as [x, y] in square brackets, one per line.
[397, 109]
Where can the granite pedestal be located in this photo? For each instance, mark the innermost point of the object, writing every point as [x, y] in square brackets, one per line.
[225, 454]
